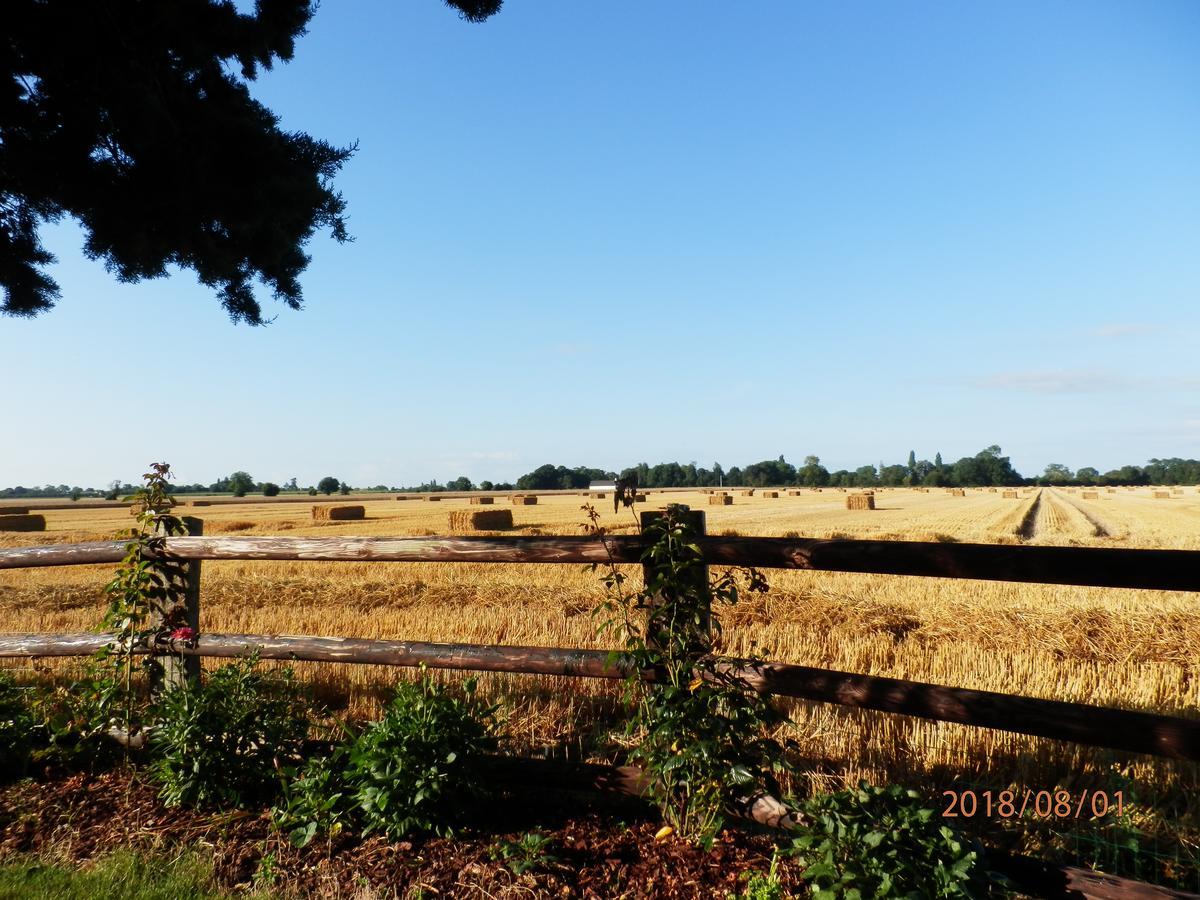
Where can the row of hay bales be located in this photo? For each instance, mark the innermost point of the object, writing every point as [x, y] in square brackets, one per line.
[17, 518]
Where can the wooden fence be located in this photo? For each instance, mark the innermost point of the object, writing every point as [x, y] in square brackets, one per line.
[1118, 729]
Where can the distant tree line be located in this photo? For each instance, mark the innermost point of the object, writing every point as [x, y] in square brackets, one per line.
[987, 468]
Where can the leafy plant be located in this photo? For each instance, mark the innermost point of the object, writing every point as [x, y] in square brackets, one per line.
[16, 724]
[884, 842]
[315, 799]
[415, 769]
[223, 741]
[764, 886]
[705, 736]
[74, 721]
[526, 853]
[146, 583]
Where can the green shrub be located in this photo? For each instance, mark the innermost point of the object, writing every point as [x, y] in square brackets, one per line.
[270, 489]
[72, 721]
[16, 726]
[315, 800]
[223, 741]
[884, 842]
[416, 769]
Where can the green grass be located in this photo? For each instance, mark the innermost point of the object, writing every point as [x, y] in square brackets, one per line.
[119, 876]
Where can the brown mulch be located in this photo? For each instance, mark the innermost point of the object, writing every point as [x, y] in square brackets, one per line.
[83, 816]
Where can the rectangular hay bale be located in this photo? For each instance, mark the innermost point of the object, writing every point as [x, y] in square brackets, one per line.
[22, 523]
[860, 501]
[957, 492]
[1090, 495]
[14, 510]
[481, 519]
[720, 500]
[522, 500]
[482, 501]
[1161, 495]
[1009, 495]
[772, 494]
[326, 513]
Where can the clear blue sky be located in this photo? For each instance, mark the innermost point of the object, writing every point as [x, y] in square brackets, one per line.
[600, 233]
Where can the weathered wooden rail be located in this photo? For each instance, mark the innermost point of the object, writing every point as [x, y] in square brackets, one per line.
[1099, 726]
[1166, 570]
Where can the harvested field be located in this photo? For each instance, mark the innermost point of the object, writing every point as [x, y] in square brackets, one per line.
[1127, 648]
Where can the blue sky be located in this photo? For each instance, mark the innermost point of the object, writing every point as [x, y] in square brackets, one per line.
[596, 234]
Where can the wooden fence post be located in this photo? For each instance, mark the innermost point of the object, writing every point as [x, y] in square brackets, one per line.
[181, 610]
[694, 517]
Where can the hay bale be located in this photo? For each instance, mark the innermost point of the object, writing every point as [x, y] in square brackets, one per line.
[325, 513]
[432, 499]
[720, 500]
[598, 495]
[481, 519]
[1162, 495]
[749, 493]
[482, 501]
[639, 498]
[202, 503]
[773, 494]
[1090, 495]
[860, 501]
[523, 500]
[23, 522]
[1009, 495]
[957, 492]
[403, 497]
[14, 510]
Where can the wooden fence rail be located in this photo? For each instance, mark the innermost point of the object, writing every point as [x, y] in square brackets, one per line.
[1168, 570]
[1098, 726]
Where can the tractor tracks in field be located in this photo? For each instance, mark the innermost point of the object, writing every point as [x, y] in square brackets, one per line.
[1027, 529]
[1052, 515]
[1099, 527]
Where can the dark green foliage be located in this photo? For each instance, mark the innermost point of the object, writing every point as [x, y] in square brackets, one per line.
[884, 842]
[270, 489]
[222, 742]
[551, 478]
[16, 727]
[416, 769]
[328, 485]
[136, 120]
[314, 799]
[72, 721]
